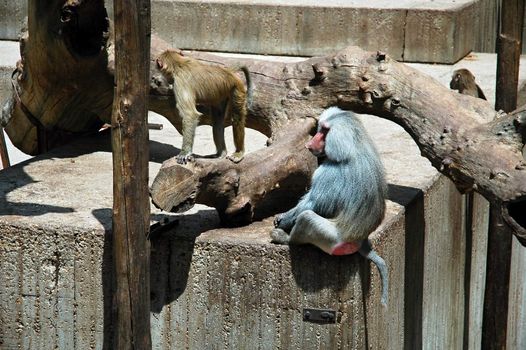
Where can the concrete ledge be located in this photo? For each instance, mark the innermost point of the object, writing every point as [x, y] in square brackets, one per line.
[12, 20]
[409, 30]
[214, 287]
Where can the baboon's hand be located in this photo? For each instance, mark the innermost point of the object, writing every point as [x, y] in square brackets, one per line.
[286, 220]
[279, 236]
[277, 219]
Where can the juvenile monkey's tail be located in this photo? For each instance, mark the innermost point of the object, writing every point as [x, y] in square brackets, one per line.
[367, 252]
[250, 86]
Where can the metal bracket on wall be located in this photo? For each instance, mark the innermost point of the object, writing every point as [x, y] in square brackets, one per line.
[319, 315]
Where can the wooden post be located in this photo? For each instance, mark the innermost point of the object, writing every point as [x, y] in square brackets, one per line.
[495, 317]
[131, 250]
[3, 151]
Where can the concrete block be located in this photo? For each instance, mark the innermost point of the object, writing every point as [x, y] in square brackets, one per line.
[516, 336]
[215, 287]
[13, 19]
[273, 27]
[410, 30]
[439, 35]
[9, 55]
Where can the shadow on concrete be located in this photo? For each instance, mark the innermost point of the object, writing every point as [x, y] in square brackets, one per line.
[314, 270]
[107, 275]
[170, 260]
[171, 256]
[16, 177]
[20, 179]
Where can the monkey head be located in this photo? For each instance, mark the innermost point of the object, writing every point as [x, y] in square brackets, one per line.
[338, 132]
[316, 145]
[461, 78]
[166, 60]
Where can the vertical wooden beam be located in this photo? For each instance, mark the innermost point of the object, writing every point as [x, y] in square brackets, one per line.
[495, 318]
[498, 265]
[3, 151]
[508, 54]
[131, 250]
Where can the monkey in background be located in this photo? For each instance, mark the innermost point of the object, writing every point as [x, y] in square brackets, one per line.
[346, 201]
[464, 81]
[211, 86]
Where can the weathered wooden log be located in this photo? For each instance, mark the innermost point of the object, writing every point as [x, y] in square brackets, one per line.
[264, 183]
[131, 205]
[453, 131]
[67, 86]
[61, 85]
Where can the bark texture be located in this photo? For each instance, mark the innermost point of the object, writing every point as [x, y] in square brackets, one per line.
[131, 207]
[453, 131]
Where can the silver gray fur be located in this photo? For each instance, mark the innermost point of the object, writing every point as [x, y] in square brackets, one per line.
[346, 201]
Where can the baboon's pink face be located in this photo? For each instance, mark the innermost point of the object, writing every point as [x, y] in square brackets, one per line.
[317, 144]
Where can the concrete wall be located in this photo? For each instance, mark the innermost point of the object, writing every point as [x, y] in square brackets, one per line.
[12, 18]
[229, 288]
[486, 26]
[232, 288]
[516, 338]
[409, 30]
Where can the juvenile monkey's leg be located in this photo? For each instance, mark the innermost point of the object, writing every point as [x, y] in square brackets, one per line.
[218, 131]
[237, 109]
[190, 117]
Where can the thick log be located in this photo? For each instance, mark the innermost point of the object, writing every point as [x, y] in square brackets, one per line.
[264, 183]
[453, 131]
[131, 208]
[61, 85]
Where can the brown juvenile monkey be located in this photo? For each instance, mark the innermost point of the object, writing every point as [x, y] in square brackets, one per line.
[346, 201]
[464, 81]
[216, 87]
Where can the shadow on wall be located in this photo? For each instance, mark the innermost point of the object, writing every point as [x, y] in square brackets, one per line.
[171, 256]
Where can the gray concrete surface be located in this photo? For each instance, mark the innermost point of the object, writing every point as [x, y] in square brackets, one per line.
[410, 30]
[211, 287]
[230, 288]
[13, 14]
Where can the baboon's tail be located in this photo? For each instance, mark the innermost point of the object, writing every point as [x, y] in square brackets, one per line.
[250, 87]
[367, 252]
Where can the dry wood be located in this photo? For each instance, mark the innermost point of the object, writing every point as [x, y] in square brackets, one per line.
[131, 209]
[4, 155]
[451, 130]
[496, 297]
[252, 189]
